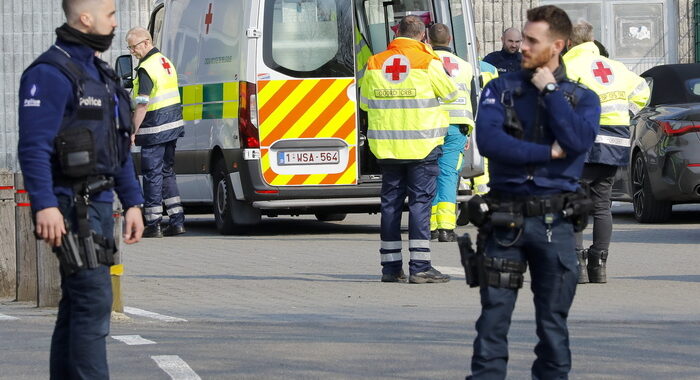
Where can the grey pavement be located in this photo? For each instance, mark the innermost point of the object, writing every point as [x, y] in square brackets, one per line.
[300, 299]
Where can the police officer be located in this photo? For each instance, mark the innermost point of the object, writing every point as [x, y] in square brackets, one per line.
[74, 127]
[621, 92]
[406, 129]
[444, 211]
[158, 122]
[508, 59]
[535, 126]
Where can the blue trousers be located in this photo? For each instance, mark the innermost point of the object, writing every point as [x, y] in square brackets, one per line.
[444, 211]
[415, 179]
[78, 348]
[159, 184]
[553, 274]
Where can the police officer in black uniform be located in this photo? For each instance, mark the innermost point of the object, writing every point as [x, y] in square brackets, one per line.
[548, 124]
[74, 139]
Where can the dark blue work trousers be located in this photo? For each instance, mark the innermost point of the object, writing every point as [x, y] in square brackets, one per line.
[553, 275]
[160, 185]
[415, 179]
[78, 348]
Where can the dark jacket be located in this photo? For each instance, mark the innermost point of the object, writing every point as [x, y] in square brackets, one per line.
[504, 61]
[46, 98]
[525, 167]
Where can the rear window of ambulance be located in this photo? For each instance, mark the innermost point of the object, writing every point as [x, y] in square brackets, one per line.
[309, 38]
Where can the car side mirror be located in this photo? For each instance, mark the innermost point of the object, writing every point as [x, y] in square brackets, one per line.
[124, 69]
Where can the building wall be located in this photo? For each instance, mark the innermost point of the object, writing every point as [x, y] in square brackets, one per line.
[686, 32]
[492, 17]
[26, 30]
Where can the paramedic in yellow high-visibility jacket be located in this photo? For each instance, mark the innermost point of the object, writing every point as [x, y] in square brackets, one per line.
[444, 211]
[621, 92]
[407, 126]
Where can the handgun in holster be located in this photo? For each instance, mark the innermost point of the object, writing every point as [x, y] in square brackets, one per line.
[470, 260]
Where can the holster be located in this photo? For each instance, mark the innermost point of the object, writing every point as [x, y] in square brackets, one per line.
[76, 254]
[577, 207]
[470, 260]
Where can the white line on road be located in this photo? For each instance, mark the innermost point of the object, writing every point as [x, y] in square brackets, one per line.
[175, 367]
[4, 317]
[150, 314]
[133, 340]
[452, 271]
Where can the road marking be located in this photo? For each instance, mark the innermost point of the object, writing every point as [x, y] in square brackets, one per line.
[133, 340]
[150, 314]
[4, 317]
[452, 271]
[175, 367]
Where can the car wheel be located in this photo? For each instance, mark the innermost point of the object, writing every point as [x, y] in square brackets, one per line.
[647, 209]
[330, 217]
[231, 215]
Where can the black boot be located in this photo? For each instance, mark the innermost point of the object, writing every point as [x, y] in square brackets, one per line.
[581, 256]
[596, 265]
[153, 231]
[447, 235]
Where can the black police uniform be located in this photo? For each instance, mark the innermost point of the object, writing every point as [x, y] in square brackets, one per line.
[529, 190]
[74, 128]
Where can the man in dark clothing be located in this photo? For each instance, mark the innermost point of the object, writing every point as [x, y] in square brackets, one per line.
[74, 127]
[508, 59]
[548, 124]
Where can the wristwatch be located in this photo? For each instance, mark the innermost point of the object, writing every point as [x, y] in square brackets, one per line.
[549, 87]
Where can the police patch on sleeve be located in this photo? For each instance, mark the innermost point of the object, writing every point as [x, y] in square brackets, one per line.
[31, 101]
[488, 97]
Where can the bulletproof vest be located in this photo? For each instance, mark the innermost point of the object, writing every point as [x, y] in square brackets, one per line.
[94, 139]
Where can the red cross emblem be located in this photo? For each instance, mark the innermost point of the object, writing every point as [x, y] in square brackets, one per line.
[166, 64]
[602, 73]
[396, 68]
[208, 18]
[452, 68]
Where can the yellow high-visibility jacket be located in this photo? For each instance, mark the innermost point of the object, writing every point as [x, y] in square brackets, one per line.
[459, 111]
[620, 91]
[399, 92]
[163, 121]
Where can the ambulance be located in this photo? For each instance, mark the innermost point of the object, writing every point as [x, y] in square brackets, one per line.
[268, 89]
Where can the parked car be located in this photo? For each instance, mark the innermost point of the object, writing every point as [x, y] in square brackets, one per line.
[664, 164]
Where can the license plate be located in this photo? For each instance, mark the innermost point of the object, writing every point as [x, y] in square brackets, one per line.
[308, 157]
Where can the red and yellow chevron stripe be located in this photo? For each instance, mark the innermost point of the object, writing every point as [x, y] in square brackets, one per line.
[306, 108]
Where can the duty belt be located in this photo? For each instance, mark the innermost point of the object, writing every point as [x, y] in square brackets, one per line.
[529, 206]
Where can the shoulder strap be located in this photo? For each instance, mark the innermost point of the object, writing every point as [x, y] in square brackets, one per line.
[64, 64]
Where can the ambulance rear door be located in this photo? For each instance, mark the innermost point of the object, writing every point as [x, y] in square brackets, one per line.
[306, 93]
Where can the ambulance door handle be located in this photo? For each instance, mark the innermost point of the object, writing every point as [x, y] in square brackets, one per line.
[253, 33]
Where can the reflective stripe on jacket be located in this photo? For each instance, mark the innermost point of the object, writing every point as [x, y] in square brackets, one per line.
[459, 111]
[620, 91]
[163, 121]
[399, 92]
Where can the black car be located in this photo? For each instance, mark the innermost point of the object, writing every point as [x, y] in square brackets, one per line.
[664, 164]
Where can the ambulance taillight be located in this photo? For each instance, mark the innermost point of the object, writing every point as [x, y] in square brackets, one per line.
[248, 116]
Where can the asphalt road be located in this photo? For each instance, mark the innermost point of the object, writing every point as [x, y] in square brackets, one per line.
[300, 299]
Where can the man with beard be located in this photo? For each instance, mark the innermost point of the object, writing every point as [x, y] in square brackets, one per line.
[507, 60]
[74, 138]
[547, 123]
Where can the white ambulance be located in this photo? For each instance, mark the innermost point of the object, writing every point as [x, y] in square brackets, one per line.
[272, 126]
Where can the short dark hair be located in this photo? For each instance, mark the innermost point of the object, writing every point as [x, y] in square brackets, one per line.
[439, 34]
[411, 27]
[557, 19]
